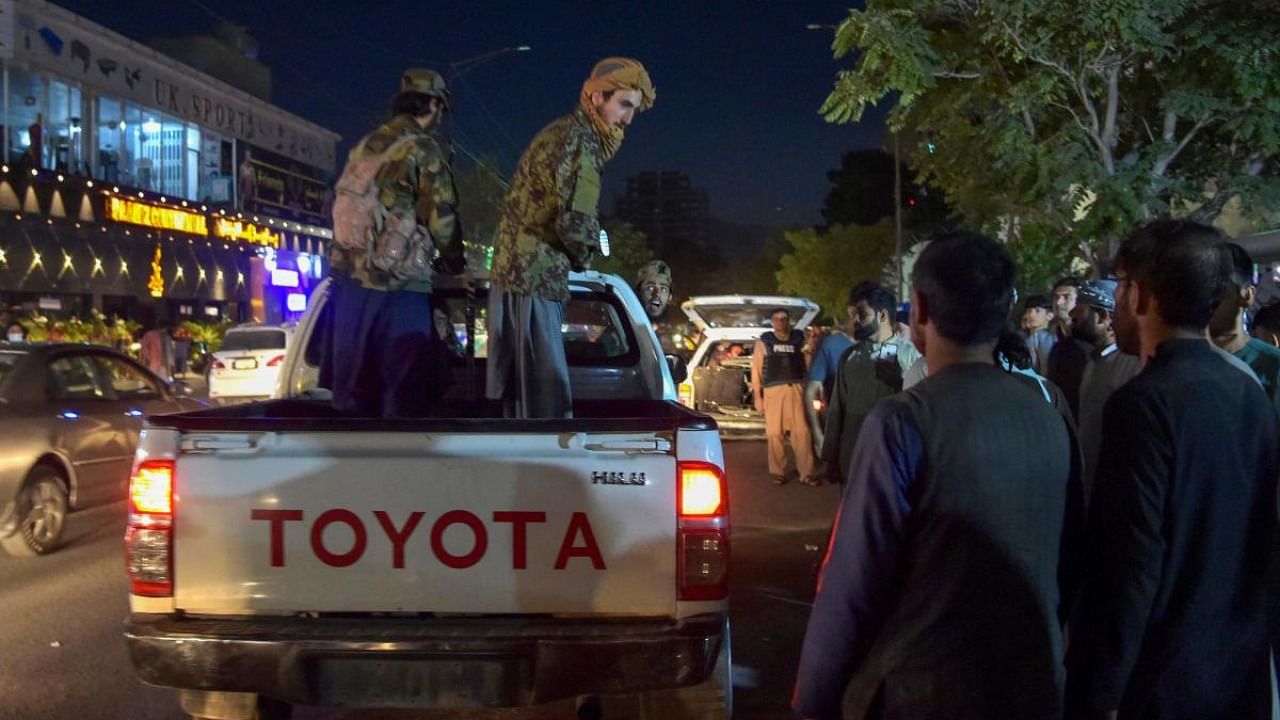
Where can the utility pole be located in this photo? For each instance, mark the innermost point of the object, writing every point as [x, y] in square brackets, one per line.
[897, 216]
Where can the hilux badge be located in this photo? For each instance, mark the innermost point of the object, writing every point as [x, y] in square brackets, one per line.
[609, 477]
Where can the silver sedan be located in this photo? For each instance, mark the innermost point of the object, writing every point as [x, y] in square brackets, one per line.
[69, 422]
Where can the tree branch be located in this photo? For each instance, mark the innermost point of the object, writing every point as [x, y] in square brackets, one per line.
[1058, 66]
[1254, 164]
[1170, 126]
[1113, 106]
[957, 75]
[1030, 123]
[1088, 131]
[1162, 164]
[1212, 208]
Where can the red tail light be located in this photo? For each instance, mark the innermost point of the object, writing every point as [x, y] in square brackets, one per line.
[218, 364]
[275, 361]
[702, 562]
[149, 539]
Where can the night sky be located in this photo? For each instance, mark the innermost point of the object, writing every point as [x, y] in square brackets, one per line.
[739, 83]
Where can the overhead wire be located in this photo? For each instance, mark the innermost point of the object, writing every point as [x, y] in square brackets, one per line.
[346, 107]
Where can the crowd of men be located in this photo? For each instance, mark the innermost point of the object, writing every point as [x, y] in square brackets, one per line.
[1097, 543]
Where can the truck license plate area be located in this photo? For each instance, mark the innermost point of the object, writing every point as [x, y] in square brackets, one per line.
[415, 682]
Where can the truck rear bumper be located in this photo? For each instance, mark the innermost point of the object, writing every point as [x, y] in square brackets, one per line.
[434, 662]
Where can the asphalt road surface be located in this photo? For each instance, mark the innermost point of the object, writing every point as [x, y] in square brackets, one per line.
[63, 655]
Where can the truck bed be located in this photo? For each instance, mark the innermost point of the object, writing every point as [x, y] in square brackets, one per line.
[301, 415]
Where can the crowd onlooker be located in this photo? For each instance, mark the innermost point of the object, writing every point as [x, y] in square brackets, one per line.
[960, 559]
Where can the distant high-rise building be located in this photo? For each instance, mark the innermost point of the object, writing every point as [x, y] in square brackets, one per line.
[667, 209]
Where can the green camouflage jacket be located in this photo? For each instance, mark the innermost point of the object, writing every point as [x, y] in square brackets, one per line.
[549, 223]
[416, 176]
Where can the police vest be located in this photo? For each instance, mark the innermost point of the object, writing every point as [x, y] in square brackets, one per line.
[783, 360]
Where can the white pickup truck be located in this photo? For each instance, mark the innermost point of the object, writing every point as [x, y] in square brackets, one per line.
[280, 553]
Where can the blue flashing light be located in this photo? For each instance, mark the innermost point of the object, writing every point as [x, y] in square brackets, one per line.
[69, 415]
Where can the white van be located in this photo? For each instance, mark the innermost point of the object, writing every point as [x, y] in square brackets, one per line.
[719, 381]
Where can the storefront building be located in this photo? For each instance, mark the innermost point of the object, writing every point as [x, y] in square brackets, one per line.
[141, 187]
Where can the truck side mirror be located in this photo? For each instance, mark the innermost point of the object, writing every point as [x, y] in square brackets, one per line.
[679, 371]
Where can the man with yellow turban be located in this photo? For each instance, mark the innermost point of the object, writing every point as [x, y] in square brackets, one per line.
[549, 227]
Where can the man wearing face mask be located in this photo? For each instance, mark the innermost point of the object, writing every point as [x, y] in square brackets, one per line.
[653, 286]
[869, 371]
[15, 334]
[549, 227]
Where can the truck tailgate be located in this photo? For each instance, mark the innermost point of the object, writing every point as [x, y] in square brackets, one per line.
[555, 522]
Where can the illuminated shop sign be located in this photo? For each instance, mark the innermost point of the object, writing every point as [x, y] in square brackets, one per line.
[246, 232]
[284, 278]
[153, 216]
[296, 302]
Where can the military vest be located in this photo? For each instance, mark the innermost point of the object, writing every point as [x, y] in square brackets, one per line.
[783, 360]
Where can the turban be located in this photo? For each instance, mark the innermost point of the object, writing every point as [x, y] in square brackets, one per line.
[616, 73]
[619, 73]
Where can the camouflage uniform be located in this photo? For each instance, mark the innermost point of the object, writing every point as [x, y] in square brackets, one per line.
[381, 355]
[548, 227]
[416, 177]
[549, 223]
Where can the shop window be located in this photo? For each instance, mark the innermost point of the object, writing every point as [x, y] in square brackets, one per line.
[192, 184]
[110, 145]
[62, 129]
[215, 168]
[131, 167]
[25, 125]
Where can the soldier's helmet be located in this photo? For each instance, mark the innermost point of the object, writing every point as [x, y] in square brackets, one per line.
[425, 81]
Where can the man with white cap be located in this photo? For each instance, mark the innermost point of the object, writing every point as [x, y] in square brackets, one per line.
[1108, 367]
[548, 227]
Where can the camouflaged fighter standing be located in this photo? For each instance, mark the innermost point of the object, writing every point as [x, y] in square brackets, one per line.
[395, 224]
[548, 228]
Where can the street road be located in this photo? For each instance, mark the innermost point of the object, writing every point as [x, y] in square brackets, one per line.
[63, 655]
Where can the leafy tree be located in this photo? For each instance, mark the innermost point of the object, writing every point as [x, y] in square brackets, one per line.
[1075, 120]
[628, 250]
[757, 274]
[823, 266]
[862, 194]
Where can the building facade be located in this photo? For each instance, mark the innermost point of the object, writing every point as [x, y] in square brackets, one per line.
[139, 186]
[668, 209]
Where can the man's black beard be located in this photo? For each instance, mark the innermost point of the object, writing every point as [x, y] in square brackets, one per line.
[1091, 334]
[866, 332]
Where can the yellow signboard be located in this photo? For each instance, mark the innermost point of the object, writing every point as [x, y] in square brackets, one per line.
[247, 232]
[153, 216]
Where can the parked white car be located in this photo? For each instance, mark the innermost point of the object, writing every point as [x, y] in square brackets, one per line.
[719, 380]
[247, 364]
